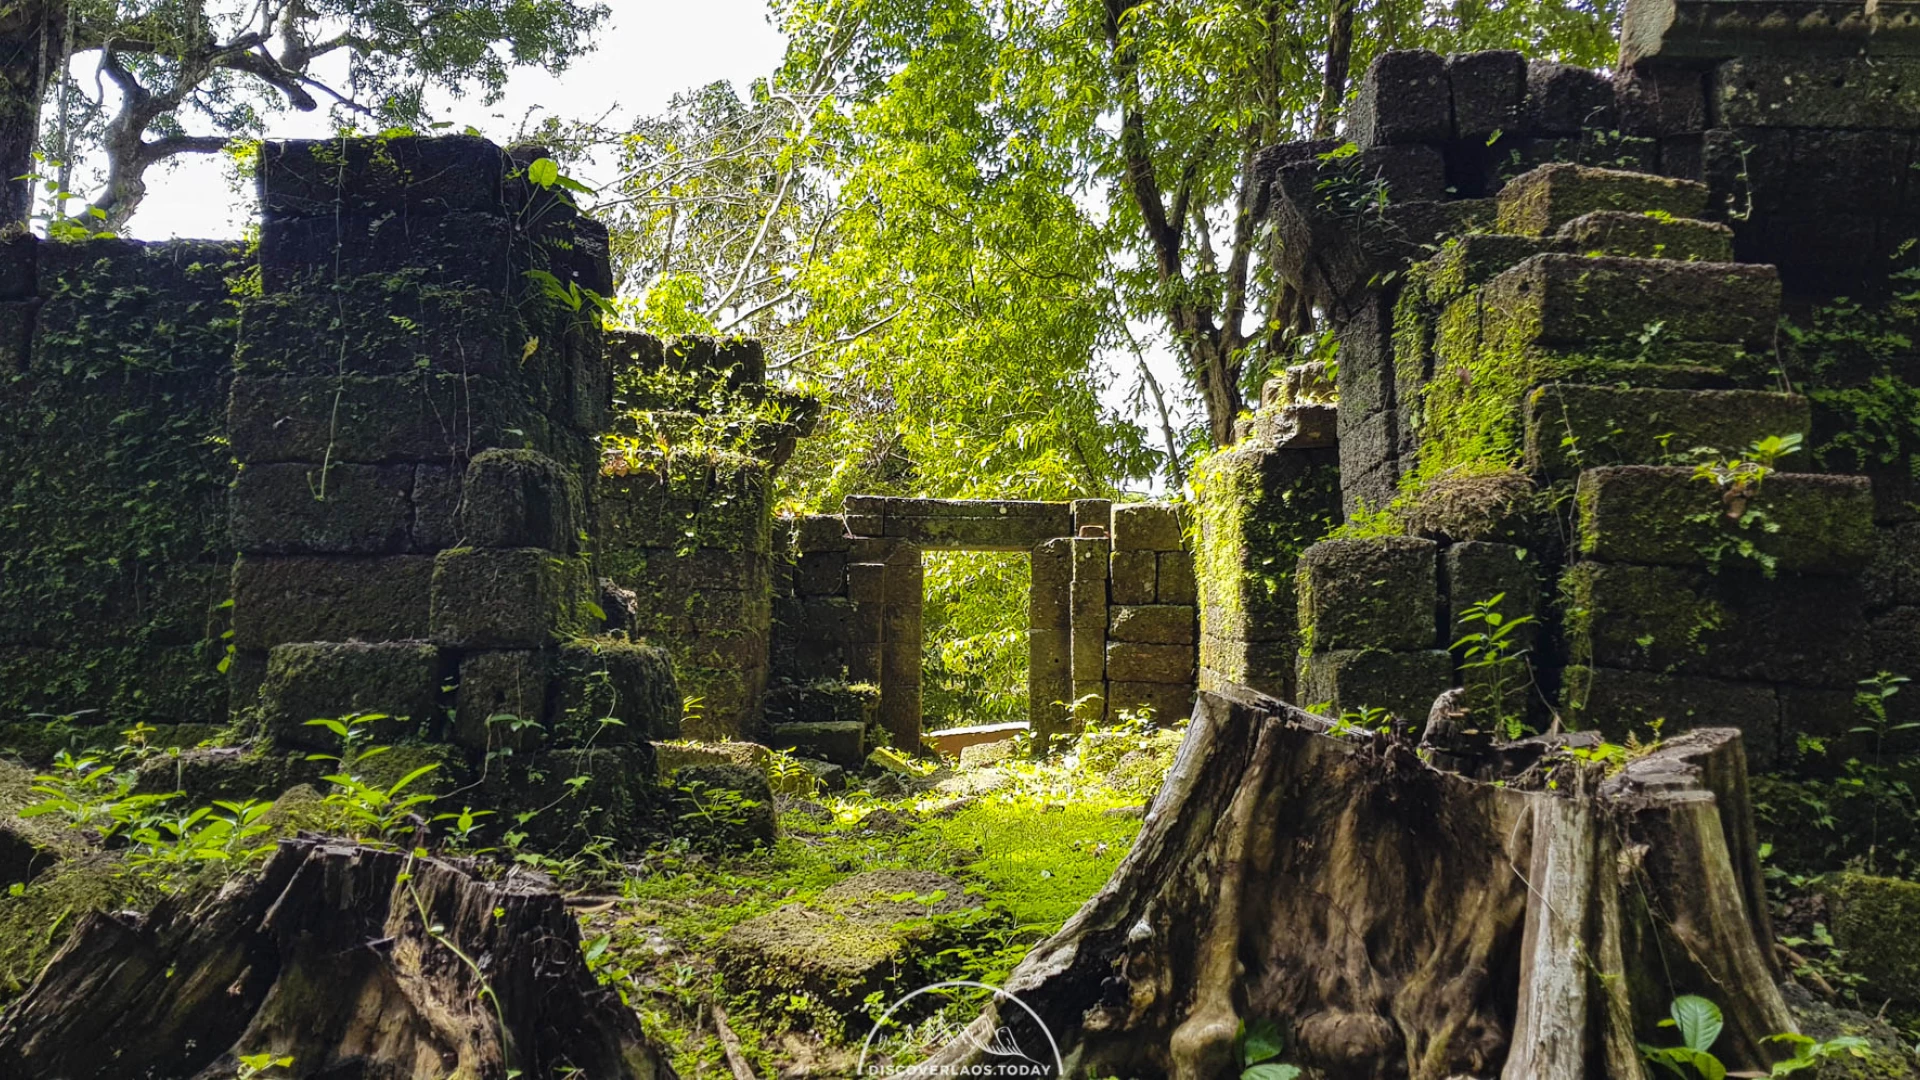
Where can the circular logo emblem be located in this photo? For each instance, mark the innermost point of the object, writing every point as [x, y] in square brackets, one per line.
[1001, 1054]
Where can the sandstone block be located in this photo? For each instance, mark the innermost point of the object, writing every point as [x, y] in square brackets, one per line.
[521, 499]
[328, 680]
[292, 509]
[1800, 522]
[504, 598]
[1538, 203]
[1353, 680]
[284, 599]
[1377, 593]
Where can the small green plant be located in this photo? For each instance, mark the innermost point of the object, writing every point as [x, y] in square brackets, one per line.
[1872, 699]
[1365, 720]
[788, 776]
[226, 832]
[1699, 1022]
[715, 815]
[372, 812]
[1259, 1048]
[1497, 662]
[1740, 477]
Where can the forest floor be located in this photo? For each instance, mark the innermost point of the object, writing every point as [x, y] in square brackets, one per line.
[1026, 843]
[775, 961]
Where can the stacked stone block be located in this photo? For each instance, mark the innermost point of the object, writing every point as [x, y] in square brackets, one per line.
[1050, 638]
[1680, 610]
[684, 513]
[115, 363]
[829, 609]
[1260, 504]
[1152, 625]
[414, 429]
[1368, 632]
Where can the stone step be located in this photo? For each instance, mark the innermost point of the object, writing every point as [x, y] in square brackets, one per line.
[1538, 203]
[1569, 426]
[841, 742]
[1647, 236]
[1572, 300]
[1802, 523]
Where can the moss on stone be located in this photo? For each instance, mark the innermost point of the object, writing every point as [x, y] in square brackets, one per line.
[1876, 922]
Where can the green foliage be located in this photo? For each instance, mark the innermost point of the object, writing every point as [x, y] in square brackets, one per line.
[1496, 662]
[974, 656]
[1700, 1022]
[1259, 1048]
[94, 794]
[716, 817]
[230, 67]
[371, 811]
[1739, 479]
[112, 535]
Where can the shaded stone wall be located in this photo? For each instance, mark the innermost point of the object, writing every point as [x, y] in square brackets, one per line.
[416, 424]
[1259, 504]
[685, 514]
[115, 364]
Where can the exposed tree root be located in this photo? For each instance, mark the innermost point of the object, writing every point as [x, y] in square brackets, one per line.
[357, 963]
[1403, 921]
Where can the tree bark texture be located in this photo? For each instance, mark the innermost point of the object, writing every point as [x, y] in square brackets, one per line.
[355, 962]
[32, 48]
[1398, 920]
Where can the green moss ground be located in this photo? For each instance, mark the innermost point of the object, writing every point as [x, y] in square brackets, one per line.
[1030, 843]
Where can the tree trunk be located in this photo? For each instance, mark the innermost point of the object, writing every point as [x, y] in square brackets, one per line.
[352, 961]
[1333, 79]
[31, 50]
[1398, 920]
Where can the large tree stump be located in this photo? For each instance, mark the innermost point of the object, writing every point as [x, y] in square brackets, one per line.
[355, 962]
[1403, 921]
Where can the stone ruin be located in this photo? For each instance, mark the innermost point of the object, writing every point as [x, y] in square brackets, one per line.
[1549, 287]
[387, 462]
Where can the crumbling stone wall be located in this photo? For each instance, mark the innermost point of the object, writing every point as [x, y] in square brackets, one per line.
[685, 511]
[1531, 350]
[416, 423]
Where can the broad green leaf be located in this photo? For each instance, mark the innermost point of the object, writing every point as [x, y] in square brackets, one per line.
[1271, 1070]
[544, 172]
[1698, 1020]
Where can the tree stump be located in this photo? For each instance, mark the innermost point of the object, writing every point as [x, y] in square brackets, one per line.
[1398, 920]
[354, 962]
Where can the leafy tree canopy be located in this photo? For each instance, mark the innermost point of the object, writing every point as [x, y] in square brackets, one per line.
[187, 76]
[944, 213]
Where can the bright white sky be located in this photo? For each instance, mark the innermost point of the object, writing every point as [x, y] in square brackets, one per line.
[649, 50]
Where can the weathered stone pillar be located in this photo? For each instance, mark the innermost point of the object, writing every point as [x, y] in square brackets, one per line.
[1050, 638]
[901, 644]
[1152, 631]
[1087, 664]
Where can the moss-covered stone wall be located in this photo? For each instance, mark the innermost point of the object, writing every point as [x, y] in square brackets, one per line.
[115, 368]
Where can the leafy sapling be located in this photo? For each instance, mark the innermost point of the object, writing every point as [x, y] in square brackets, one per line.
[1496, 661]
[1700, 1022]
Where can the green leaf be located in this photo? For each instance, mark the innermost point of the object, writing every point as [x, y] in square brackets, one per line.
[544, 172]
[1264, 1043]
[1699, 1021]
[1272, 1070]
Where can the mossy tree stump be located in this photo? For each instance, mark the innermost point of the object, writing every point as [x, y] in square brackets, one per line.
[1399, 920]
